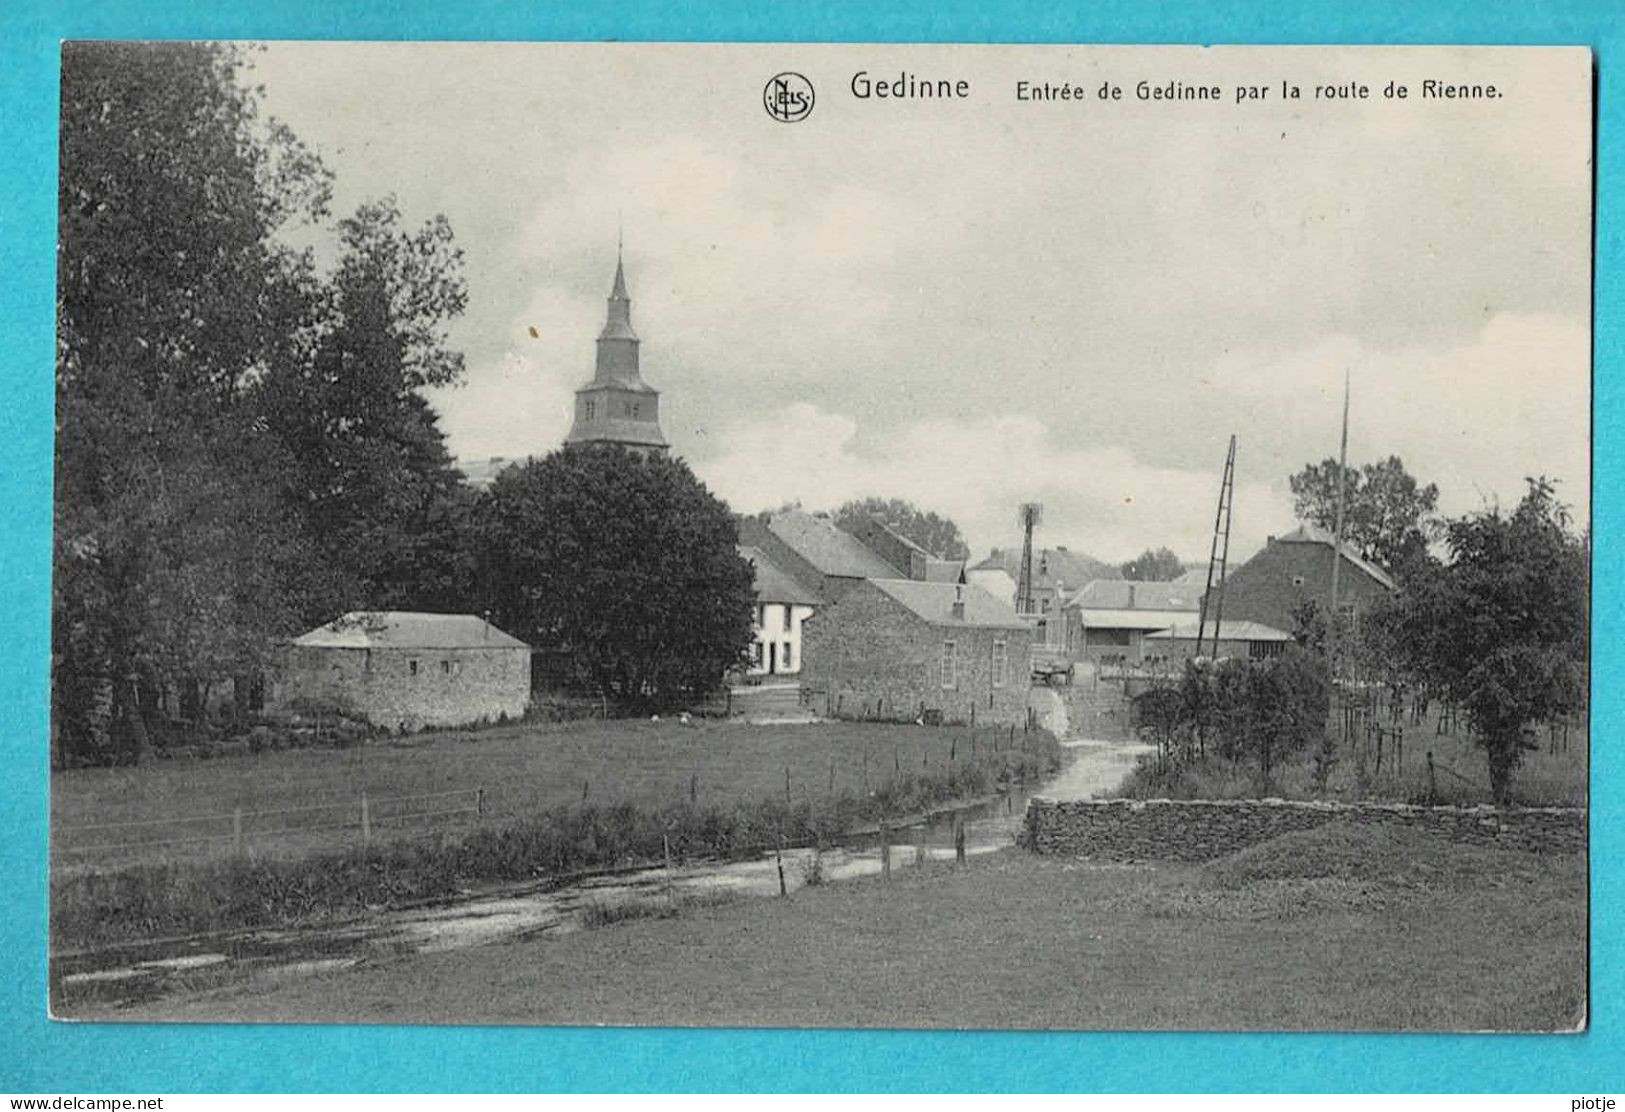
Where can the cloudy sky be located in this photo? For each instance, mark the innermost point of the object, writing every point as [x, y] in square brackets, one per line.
[974, 303]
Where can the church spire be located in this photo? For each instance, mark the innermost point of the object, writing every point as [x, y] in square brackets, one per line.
[617, 406]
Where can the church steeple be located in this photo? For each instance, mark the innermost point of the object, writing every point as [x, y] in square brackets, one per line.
[617, 406]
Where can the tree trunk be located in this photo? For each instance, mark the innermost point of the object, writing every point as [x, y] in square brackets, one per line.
[1502, 751]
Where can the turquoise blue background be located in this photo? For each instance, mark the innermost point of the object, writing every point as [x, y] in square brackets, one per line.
[39, 1056]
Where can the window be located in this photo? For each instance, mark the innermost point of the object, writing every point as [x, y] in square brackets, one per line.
[787, 657]
[950, 665]
[632, 410]
[445, 667]
[1297, 581]
[1001, 663]
[411, 667]
[587, 408]
[761, 617]
[1263, 650]
[787, 617]
[756, 654]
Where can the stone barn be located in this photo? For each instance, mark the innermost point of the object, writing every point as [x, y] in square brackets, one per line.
[899, 648]
[1290, 569]
[405, 670]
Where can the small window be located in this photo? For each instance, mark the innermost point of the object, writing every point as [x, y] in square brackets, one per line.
[756, 654]
[1001, 663]
[788, 656]
[587, 408]
[1297, 581]
[411, 667]
[445, 667]
[761, 617]
[787, 617]
[632, 409]
[950, 665]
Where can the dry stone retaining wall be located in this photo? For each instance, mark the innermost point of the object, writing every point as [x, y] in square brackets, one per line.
[1200, 830]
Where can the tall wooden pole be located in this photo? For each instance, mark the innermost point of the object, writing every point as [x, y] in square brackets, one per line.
[1337, 532]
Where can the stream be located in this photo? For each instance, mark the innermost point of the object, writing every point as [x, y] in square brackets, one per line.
[276, 955]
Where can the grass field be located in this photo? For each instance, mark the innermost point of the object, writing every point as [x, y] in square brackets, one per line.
[522, 769]
[1341, 928]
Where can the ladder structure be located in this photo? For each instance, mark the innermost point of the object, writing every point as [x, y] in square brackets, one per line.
[1219, 553]
[1029, 515]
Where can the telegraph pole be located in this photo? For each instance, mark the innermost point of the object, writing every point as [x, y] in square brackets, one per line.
[1337, 533]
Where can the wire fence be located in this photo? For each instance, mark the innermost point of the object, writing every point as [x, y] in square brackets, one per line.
[239, 828]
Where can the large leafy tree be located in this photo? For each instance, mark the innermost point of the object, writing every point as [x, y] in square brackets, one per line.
[384, 506]
[625, 560]
[936, 534]
[174, 560]
[1387, 514]
[1153, 565]
[242, 448]
[1501, 625]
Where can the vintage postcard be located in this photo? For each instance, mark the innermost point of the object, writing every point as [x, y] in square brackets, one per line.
[822, 536]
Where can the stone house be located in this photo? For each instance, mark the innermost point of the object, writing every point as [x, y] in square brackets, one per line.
[405, 670]
[782, 605]
[1288, 570]
[1108, 619]
[901, 648]
[812, 550]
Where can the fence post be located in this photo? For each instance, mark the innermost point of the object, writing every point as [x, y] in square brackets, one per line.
[1433, 784]
[832, 776]
[694, 789]
[885, 850]
[237, 830]
[671, 891]
[787, 785]
[779, 856]
[479, 801]
[366, 822]
[959, 839]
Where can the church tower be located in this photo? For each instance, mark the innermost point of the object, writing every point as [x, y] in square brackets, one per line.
[617, 406]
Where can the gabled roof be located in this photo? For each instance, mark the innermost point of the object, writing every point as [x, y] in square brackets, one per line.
[830, 550]
[1073, 569]
[935, 603]
[1310, 534]
[772, 583]
[938, 570]
[407, 629]
[1228, 631]
[1125, 594]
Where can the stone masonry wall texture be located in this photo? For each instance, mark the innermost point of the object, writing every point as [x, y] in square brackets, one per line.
[1200, 830]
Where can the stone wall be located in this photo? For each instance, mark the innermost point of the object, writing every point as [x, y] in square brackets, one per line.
[1200, 830]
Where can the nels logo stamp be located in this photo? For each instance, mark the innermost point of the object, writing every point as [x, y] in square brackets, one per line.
[788, 97]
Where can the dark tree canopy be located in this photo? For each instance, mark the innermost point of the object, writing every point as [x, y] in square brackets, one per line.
[627, 561]
[1153, 566]
[1500, 627]
[1387, 515]
[936, 534]
[241, 449]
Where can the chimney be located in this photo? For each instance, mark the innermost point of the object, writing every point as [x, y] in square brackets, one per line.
[1269, 540]
[485, 630]
[959, 602]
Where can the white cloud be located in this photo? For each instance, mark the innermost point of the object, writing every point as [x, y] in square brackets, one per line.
[1474, 416]
[1100, 500]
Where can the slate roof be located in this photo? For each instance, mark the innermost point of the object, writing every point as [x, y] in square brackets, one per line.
[1130, 619]
[935, 603]
[1228, 631]
[1310, 534]
[407, 629]
[1116, 594]
[830, 550]
[772, 583]
[1049, 564]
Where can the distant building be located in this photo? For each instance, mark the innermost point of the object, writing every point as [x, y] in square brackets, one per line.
[1298, 566]
[1108, 619]
[898, 648]
[406, 670]
[995, 581]
[1244, 639]
[824, 559]
[1054, 570]
[905, 555]
[617, 406]
[782, 605]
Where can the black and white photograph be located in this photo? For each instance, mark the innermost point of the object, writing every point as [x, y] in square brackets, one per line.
[822, 536]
